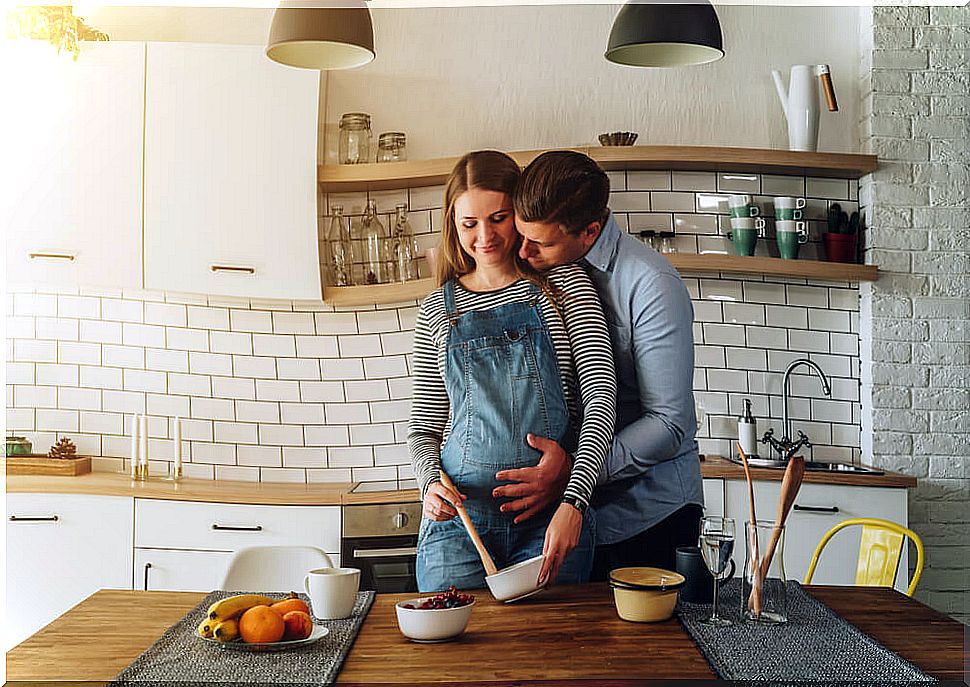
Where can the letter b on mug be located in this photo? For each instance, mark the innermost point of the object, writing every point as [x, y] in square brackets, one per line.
[332, 591]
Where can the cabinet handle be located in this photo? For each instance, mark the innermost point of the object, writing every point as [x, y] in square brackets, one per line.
[148, 566]
[233, 268]
[229, 528]
[52, 256]
[817, 509]
[18, 518]
[386, 553]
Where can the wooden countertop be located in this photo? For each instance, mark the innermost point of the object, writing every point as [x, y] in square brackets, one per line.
[335, 494]
[564, 636]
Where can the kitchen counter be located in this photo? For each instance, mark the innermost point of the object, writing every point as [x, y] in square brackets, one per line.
[331, 494]
[564, 636]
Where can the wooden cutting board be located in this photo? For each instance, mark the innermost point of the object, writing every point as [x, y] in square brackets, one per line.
[42, 465]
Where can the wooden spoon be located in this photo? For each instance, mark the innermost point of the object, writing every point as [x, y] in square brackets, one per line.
[487, 561]
[790, 484]
[754, 600]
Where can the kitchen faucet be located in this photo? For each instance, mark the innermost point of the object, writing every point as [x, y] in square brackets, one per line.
[787, 446]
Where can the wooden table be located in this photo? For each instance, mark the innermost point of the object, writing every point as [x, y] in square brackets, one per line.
[562, 637]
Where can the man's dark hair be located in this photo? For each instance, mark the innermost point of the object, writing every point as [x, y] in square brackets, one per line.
[563, 187]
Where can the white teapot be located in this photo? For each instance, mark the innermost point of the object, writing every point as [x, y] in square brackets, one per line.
[800, 103]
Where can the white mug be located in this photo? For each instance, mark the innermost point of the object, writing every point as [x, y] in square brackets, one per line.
[749, 223]
[332, 591]
[789, 202]
[737, 200]
[785, 225]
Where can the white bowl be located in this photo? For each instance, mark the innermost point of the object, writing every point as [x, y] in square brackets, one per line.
[431, 624]
[516, 581]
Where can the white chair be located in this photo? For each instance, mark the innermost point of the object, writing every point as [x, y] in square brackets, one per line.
[273, 568]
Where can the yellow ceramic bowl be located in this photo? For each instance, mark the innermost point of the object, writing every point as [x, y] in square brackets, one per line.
[645, 595]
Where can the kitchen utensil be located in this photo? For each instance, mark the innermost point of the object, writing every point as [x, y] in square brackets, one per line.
[800, 104]
[645, 595]
[466, 520]
[332, 591]
[755, 597]
[318, 633]
[429, 625]
[618, 138]
[790, 484]
[717, 545]
[698, 584]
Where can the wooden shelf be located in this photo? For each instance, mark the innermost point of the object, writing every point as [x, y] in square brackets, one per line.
[394, 175]
[686, 263]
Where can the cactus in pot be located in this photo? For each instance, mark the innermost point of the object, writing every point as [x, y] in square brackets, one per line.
[841, 239]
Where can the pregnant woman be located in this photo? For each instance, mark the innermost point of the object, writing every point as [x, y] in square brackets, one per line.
[502, 353]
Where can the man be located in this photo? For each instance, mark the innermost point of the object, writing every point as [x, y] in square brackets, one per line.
[650, 496]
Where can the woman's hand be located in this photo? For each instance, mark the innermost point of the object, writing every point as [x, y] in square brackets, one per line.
[439, 502]
[562, 536]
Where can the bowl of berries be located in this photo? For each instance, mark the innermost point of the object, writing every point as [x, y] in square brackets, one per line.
[437, 618]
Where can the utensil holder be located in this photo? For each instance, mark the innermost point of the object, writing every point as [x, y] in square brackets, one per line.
[764, 596]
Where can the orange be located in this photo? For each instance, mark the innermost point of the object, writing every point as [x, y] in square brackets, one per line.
[261, 625]
[286, 605]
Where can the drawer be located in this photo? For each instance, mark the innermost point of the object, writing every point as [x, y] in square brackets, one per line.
[228, 527]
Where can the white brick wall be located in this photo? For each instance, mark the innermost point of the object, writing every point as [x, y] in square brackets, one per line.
[915, 345]
[294, 391]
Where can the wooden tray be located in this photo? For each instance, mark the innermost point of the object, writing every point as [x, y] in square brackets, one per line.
[42, 465]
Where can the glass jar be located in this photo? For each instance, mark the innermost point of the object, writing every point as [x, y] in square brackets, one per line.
[764, 591]
[392, 147]
[18, 446]
[667, 244]
[649, 237]
[339, 249]
[355, 138]
[403, 248]
[372, 231]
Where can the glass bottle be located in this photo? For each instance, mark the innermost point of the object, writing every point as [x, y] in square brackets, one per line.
[339, 249]
[649, 237]
[392, 147]
[354, 138]
[403, 248]
[667, 244]
[374, 237]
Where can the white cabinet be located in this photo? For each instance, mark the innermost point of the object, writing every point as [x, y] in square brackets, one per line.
[61, 549]
[817, 508]
[230, 173]
[189, 545]
[713, 497]
[71, 171]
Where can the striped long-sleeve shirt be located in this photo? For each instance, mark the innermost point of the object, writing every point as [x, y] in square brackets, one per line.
[582, 344]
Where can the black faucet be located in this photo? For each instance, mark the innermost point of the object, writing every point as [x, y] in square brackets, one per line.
[787, 446]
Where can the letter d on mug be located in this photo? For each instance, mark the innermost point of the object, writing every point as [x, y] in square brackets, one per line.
[332, 591]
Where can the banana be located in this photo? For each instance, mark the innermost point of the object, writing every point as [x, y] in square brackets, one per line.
[205, 628]
[226, 631]
[233, 606]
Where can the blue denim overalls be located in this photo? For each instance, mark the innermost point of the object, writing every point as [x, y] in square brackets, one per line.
[503, 382]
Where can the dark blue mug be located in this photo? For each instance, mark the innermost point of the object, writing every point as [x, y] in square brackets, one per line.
[699, 585]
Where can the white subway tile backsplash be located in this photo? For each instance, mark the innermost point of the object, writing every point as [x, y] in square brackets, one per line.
[671, 201]
[708, 311]
[56, 420]
[118, 310]
[168, 406]
[187, 339]
[785, 316]
[193, 385]
[221, 454]
[744, 359]
[168, 314]
[301, 413]
[329, 475]
[231, 342]
[344, 368]
[47, 328]
[727, 380]
[103, 423]
[87, 307]
[200, 317]
[813, 296]
[80, 353]
[298, 368]
[304, 457]
[56, 375]
[390, 411]
[835, 189]
[271, 390]
[844, 344]
[123, 401]
[400, 343]
[828, 320]
[359, 345]
[212, 409]
[377, 321]
[100, 377]
[316, 346]
[371, 434]
[235, 433]
[250, 321]
[400, 388]
[321, 392]
[808, 340]
[274, 345]
[335, 323]
[99, 332]
[22, 328]
[346, 413]
[744, 313]
[391, 454]
[326, 435]
[40, 305]
[210, 363]
[27, 396]
[257, 411]
[143, 335]
[166, 360]
[724, 334]
[366, 391]
[844, 299]
[648, 180]
[123, 356]
[31, 350]
[233, 387]
[20, 373]
[260, 456]
[252, 366]
[361, 457]
[145, 380]
[293, 323]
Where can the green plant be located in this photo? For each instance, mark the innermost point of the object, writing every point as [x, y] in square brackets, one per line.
[841, 223]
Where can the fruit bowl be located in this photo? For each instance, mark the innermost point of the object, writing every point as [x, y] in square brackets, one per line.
[435, 624]
[318, 633]
[517, 581]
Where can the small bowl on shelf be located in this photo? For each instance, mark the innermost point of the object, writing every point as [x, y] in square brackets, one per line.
[430, 625]
[618, 138]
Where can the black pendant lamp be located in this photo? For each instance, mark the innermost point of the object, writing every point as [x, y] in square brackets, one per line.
[336, 35]
[648, 34]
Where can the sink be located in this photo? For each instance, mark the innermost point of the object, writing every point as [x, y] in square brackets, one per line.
[812, 466]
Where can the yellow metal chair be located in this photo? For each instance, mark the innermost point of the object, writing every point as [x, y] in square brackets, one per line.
[879, 553]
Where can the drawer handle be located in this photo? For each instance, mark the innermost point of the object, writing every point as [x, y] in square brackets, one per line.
[817, 509]
[386, 553]
[52, 256]
[230, 528]
[233, 268]
[148, 566]
[19, 518]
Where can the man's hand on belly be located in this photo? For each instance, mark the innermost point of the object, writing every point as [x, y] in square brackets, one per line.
[535, 488]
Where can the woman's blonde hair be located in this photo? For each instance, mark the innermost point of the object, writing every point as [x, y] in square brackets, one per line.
[489, 170]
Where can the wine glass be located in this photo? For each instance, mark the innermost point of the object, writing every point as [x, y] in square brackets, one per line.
[717, 545]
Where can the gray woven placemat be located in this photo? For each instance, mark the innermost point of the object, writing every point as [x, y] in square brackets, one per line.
[816, 645]
[181, 657]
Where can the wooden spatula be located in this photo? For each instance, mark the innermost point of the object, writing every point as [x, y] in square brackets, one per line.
[790, 484]
[487, 561]
[754, 600]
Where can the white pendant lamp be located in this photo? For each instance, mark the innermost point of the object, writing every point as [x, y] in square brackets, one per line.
[336, 35]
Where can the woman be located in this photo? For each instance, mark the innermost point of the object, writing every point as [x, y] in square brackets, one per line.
[501, 353]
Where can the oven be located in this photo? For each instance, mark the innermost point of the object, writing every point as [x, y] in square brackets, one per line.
[381, 540]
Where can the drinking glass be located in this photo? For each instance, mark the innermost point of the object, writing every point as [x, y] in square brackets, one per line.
[717, 545]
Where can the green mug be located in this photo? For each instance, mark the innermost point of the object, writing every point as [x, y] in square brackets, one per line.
[743, 240]
[788, 213]
[745, 211]
[789, 238]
